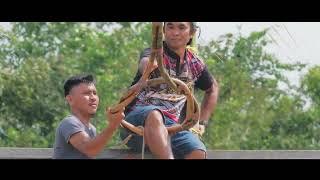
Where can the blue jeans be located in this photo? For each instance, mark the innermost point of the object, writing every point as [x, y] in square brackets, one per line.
[182, 143]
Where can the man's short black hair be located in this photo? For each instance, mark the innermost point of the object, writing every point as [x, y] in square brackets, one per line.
[76, 80]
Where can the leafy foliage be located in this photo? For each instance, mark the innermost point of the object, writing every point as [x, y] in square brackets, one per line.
[253, 112]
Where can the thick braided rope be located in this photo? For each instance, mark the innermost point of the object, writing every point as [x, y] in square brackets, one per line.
[193, 109]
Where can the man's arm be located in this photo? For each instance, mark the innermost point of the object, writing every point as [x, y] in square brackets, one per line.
[92, 147]
[142, 65]
[209, 102]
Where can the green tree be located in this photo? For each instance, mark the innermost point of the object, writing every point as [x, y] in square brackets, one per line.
[253, 112]
[38, 57]
[249, 79]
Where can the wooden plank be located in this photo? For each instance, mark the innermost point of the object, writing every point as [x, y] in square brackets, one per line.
[122, 154]
[46, 153]
[264, 154]
[25, 153]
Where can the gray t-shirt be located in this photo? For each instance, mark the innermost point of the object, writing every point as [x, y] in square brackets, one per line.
[69, 126]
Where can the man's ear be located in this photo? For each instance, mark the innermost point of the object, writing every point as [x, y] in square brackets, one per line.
[69, 99]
